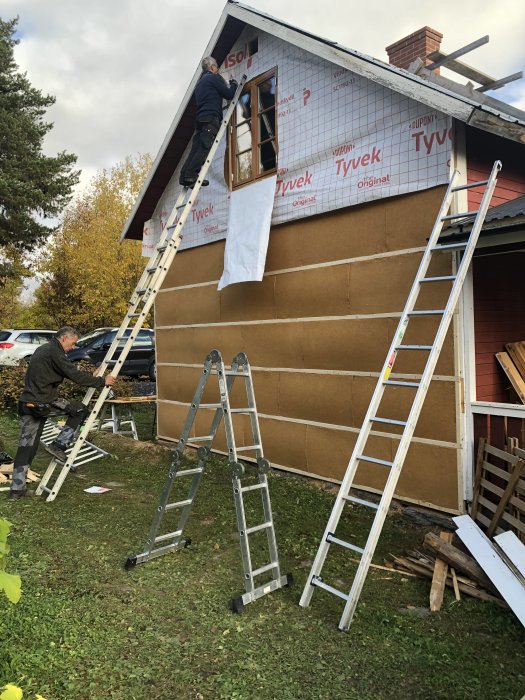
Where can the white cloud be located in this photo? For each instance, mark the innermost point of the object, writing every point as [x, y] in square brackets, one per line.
[119, 69]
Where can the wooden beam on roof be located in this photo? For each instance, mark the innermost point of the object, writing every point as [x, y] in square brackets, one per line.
[495, 84]
[446, 58]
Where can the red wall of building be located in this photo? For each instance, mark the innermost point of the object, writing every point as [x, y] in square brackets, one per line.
[499, 318]
[482, 150]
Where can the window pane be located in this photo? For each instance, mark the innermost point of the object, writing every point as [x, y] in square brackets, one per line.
[243, 137]
[266, 94]
[23, 338]
[244, 166]
[267, 156]
[243, 109]
[144, 339]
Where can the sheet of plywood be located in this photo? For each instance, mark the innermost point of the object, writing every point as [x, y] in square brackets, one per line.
[487, 557]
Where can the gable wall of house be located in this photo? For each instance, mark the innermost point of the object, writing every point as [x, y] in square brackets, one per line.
[316, 331]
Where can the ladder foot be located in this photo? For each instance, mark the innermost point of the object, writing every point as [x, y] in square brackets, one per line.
[130, 563]
[237, 605]
[289, 580]
[187, 542]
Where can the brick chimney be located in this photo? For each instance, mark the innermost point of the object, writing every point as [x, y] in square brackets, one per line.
[416, 45]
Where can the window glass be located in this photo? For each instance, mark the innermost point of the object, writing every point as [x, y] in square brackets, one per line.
[23, 338]
[254, 144]
[4, 335]
[88, 339]
[42, 338]
[143, 340]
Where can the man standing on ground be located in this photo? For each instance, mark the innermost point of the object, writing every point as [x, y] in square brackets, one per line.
[209, 93]
[47, 369]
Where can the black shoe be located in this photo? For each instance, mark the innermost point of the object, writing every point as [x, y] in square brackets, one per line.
[191, 183]
[57, 451]
[17, 495]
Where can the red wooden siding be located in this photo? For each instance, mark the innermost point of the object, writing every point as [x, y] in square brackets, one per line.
[499, 318]
[482, 150]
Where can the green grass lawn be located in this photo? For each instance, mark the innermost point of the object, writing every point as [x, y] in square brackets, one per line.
[87, 629]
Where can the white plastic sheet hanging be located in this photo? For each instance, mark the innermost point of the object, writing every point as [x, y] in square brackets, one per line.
[248, 232]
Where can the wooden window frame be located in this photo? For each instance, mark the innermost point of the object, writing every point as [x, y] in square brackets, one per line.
[257, 173]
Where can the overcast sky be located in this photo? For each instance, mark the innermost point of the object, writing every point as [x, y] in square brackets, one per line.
[119, 68]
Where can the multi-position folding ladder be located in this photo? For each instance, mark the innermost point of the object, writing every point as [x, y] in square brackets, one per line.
[159, 544]
[362, 451]
[140, 304]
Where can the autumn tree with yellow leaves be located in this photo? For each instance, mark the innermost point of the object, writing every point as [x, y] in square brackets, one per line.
[89, 275]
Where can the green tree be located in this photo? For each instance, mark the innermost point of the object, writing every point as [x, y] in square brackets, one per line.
[89, 274]
[33, 186]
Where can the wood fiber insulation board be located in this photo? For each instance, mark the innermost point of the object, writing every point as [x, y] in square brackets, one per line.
[361, 287]
[195, 265]
[340, 400]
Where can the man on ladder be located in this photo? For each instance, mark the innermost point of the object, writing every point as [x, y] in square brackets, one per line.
[47, 369]
[209, 93]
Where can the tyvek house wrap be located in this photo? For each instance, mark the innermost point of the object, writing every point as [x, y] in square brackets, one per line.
[343, 140]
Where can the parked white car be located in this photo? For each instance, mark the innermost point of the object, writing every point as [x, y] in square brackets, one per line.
[18, 345]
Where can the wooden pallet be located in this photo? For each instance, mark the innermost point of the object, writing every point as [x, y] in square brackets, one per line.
[513, 374]
[498, 502]
[517, 355]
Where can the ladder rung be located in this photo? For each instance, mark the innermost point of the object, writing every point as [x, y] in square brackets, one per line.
[133, 314]
[390, 421]
[375, 460]
[316, 581]
[361, 501]
[140, 292]
[200, 438]
[179, 504]
[189, 472]
[257, 528]
[246, 448]
[427, 312]
[335, 540]
[151, 270]
[463, 215]
[231, 373]
[242, 410]
[162, 248]
[439, 279]
[450, 246]
[210, 405]
[167, 536]
[393, 382]
[415, 347]
[253, 487]
[471, 184]
[263, 569]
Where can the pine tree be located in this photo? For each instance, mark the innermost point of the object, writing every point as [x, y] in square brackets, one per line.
[33, 186]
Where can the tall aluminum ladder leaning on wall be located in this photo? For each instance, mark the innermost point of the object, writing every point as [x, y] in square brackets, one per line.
[362, 453]
[140, 304]
[160, 544]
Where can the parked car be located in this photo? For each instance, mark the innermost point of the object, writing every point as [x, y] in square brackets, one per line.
[17, 346]
[140, 360]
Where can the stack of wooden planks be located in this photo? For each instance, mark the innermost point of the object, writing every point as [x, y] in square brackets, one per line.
[446, 563]
[513, 364]
[6, 473]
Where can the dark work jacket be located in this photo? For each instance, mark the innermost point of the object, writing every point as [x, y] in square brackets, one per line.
[209, 93]
[47, 369]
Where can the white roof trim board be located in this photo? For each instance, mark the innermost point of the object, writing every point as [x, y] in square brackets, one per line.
[477, 110]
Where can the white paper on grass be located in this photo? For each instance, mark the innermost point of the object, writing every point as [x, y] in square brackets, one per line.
[248, 232]
[96, 489]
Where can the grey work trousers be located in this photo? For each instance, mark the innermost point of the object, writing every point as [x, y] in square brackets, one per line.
[31, 428]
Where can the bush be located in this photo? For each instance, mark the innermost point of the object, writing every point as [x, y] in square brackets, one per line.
[12, 384]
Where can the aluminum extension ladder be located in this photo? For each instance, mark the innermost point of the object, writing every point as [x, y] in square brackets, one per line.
[360, 452]
[160, 544]
[140, 304]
